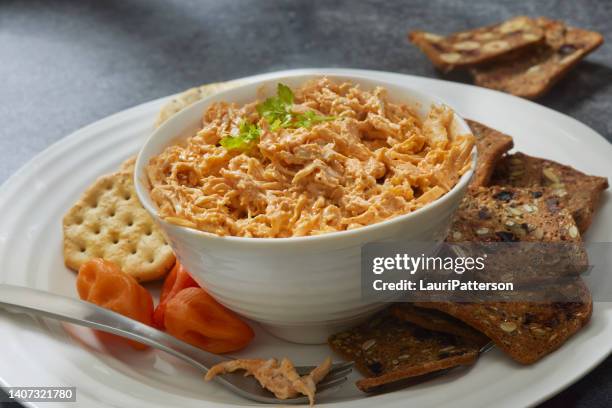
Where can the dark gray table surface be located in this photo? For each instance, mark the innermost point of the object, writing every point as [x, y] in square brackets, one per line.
[64, 64]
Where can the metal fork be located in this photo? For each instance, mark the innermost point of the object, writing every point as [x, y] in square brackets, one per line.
[39, 303]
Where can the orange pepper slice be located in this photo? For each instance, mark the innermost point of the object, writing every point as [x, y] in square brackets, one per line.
[104, 284]
[177, 280]
[193, 316]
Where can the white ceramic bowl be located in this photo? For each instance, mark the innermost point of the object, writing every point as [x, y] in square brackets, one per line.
[304, 288]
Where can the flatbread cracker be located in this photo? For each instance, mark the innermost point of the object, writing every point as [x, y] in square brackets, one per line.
[386, 350]
[565, 187]
[527, 324]
[109, 222]
[510, 214]
[531, 73]
[437, 321]
[526, 240]
[468, 48]
[491, 145]
[191, 96]
[526, 331]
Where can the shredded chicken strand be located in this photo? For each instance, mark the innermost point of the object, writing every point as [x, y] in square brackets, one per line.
[280, 379]
[376, 160]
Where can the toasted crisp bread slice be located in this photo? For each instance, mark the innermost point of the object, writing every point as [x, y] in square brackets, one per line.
[189, 97]
[525, 239]
[468, 48]
[526, 331]
[386, 350]
[565, 187]
[109, 222]
[531, 73]
[491, 145]
[510, 214]
[434, 320]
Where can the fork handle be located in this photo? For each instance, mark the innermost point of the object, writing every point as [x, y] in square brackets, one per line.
[40, 303]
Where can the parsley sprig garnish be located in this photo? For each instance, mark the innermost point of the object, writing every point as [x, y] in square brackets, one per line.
[309, 119]
[277, 111]
[248, 135]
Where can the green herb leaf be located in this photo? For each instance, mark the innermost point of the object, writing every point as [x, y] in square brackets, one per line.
[248, 135]
[309, 119]
[284, 94]
[277, 111]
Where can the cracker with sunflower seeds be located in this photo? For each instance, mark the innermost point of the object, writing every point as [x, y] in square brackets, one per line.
[437, 321]
[387, 350]
[510, 214]
[526, 241]
[469, 48]
[564, 186]
[491, 145]
[527, 330]
[530, 73]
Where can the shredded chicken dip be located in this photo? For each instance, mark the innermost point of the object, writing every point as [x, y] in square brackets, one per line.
[281, 379]
[341, 159]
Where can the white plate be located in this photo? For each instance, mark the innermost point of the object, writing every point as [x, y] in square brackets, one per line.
[45, 353]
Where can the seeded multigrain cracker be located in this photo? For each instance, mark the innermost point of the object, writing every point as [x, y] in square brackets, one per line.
[109, 222]
[386, 350]
[468, 48]
[532, 72]
[526, 330]
[526, 240]
[528, 323]
[510, 214]
[437, 321]
[491, 145]
[564, 187]
[189, 97]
